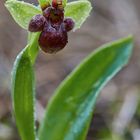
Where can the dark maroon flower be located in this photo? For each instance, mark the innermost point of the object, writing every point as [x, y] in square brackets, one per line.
[52, 40]
[37, 23]
[53, 26]
[69, 24]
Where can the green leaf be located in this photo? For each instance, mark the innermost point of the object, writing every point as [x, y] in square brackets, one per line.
[70, 110]
[64, 2]
[79, 11]
[22, 12]
[44, 3]
[23, 87]
[23, 93]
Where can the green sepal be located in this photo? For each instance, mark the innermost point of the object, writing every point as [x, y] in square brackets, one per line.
[22, 12]
[78, 11]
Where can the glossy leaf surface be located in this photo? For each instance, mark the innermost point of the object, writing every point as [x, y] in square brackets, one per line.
[23, 95]
[23, 87]
[69, 112]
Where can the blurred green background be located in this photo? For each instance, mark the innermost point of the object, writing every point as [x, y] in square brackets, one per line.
[117, 113]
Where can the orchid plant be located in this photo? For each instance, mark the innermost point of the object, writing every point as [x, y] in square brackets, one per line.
[69, 112]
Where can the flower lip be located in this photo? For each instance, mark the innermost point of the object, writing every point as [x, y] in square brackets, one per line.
[52, 39]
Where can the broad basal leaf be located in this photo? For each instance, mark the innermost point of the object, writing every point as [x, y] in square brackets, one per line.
[70, 110]
[23, 95]
[22, 12]
[23, 87]
[79, 11]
